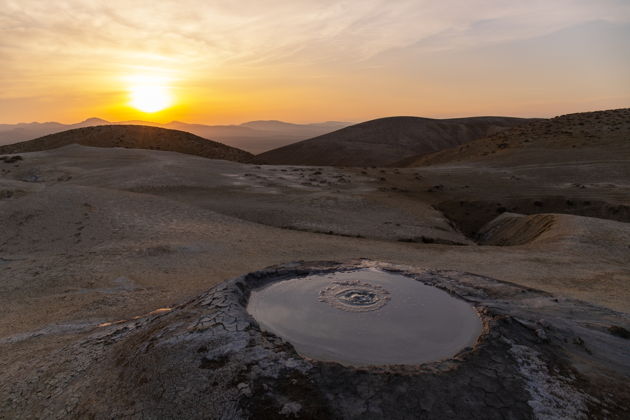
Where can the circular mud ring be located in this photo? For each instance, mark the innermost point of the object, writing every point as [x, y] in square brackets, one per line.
[354, 296]
[366, 317]
[209, 357]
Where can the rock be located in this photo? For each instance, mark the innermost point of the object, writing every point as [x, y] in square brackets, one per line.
[291, 409]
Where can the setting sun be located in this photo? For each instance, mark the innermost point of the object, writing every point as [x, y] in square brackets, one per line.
[150, 98]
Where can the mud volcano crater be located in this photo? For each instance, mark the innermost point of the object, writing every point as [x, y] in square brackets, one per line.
[519, 354]
[365, 317]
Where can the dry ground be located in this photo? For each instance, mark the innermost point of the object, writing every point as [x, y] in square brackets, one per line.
[94, 235]
[99, 234]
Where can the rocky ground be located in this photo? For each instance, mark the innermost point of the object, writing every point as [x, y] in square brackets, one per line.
[92, 236]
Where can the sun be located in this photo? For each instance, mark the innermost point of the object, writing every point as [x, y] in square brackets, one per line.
[150, 97]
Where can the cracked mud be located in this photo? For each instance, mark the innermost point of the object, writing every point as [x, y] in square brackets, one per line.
[538, 356]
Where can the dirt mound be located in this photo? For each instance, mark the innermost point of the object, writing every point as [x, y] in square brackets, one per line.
[515, 229]
[132, 137]
[567, 138]
[471, 216]
[386, 140]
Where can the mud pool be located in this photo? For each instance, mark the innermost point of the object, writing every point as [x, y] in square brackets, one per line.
[366, 317]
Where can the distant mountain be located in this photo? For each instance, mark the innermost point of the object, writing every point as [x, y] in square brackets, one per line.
[577, 137]
[93, 121]
[13, 133]
[386, 140]
[254, 136]
[258, 136]
[270, 125]
[134, 137]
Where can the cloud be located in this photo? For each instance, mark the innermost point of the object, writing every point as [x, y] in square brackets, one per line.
[245, 32]
[52, 46]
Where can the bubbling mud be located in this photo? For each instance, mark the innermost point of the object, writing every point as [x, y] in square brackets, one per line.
[354, 296]
[366, 317]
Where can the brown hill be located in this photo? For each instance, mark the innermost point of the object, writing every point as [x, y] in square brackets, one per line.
[386, 140]
[132, 137]
[567, 138]
[253, 136]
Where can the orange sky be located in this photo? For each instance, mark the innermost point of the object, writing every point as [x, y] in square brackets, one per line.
[307, 61]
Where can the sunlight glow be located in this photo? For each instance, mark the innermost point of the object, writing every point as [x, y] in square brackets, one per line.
[149, 93]
[150, 98]
[225, 63]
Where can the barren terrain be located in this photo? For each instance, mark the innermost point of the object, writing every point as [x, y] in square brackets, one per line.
[93, 235]
[253, 136]
[386, 140]
[132, 136]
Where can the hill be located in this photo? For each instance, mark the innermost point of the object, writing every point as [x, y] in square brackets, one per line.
[103, 250]
[567, 138]
[132, 137]
[13, 133]
[386, 140]
[253, 136]
[258, 136]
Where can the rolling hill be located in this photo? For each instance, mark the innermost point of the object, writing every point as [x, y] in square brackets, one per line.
[383, 141]
[13, 133]
[132, 137]
[253, 136]
[569, 138]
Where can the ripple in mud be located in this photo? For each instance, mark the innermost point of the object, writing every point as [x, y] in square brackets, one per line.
[366, 317]
[354, 296]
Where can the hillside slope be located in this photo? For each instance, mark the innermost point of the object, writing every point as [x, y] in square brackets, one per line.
[132, 137]
[386, 140]
[567, 138]
[253, 136]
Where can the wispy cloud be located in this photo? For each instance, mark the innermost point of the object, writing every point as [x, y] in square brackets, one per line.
[196, 30]
[48, 41]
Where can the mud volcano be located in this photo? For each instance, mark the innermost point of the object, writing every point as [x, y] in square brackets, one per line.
[538, 356]
[366, 317]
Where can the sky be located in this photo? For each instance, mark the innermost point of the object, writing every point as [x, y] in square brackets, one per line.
[220, 62]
